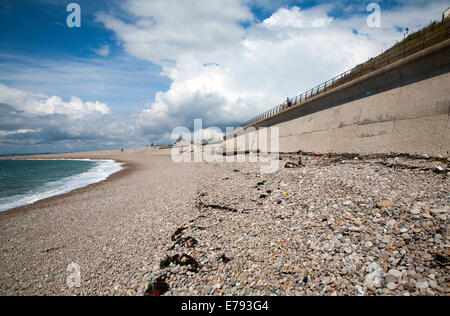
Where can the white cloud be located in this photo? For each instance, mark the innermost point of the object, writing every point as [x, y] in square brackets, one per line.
[37, 123]
[18, 131]
[165, 29]
[42, 104]
[102, 51]
[295, 18]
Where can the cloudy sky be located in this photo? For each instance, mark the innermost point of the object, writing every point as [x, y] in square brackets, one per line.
[137, 69]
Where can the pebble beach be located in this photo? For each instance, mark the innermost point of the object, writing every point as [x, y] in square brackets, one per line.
[320, 225]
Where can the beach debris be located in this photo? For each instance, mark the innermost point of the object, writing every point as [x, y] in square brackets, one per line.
[439, 169]
[188, 242]
[291, 165]
[177, 233]
[181, 260]
[177, 237]
[441, 260]
[157, 287]
[224, 258]
[53, 249]
[217, 207]
[299, 164]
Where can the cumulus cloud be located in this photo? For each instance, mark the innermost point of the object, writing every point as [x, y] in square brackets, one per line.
[295, 18]
[166, 29]
[42, 104]
[224, 72]
[39, 123]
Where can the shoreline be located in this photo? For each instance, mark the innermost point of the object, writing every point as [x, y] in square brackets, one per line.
[126, 168]
[114, 229]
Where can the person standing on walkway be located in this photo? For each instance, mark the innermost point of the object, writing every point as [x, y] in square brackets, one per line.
[288, 102]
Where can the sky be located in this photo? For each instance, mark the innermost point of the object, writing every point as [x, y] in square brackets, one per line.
[137, 69]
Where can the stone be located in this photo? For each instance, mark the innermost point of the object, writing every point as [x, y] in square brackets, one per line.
[347, 269]
[427, 215]
[433, 284]
[385, 203]
[437, 211]
[395, 273]
[374, 278]
[355, 229]
[421, 284]
[390, 278]
[408, 286]
[368, 244]
[391, 286]
[391, 223]
[415, 211]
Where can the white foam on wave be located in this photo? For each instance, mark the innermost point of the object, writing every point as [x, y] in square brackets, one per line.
[99, 172]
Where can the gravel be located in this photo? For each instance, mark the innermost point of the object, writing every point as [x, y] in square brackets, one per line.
[331, 226]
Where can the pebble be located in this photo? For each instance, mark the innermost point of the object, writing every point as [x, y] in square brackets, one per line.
[391, 286]
[397, 274]
[385, 203]
[415, 211]
[421, 284]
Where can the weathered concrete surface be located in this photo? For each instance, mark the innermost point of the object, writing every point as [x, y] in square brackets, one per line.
[401, 108]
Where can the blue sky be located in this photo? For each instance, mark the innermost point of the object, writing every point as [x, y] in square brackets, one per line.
[39, 41]
[137, 69]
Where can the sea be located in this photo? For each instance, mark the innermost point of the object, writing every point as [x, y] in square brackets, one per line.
[26, 181]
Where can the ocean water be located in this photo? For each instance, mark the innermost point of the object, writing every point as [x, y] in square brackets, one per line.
[24, 182]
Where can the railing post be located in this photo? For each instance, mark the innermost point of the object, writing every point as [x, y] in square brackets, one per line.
[424, 39]
[404, 49]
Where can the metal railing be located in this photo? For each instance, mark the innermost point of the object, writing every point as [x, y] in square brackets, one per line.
[412, 44]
